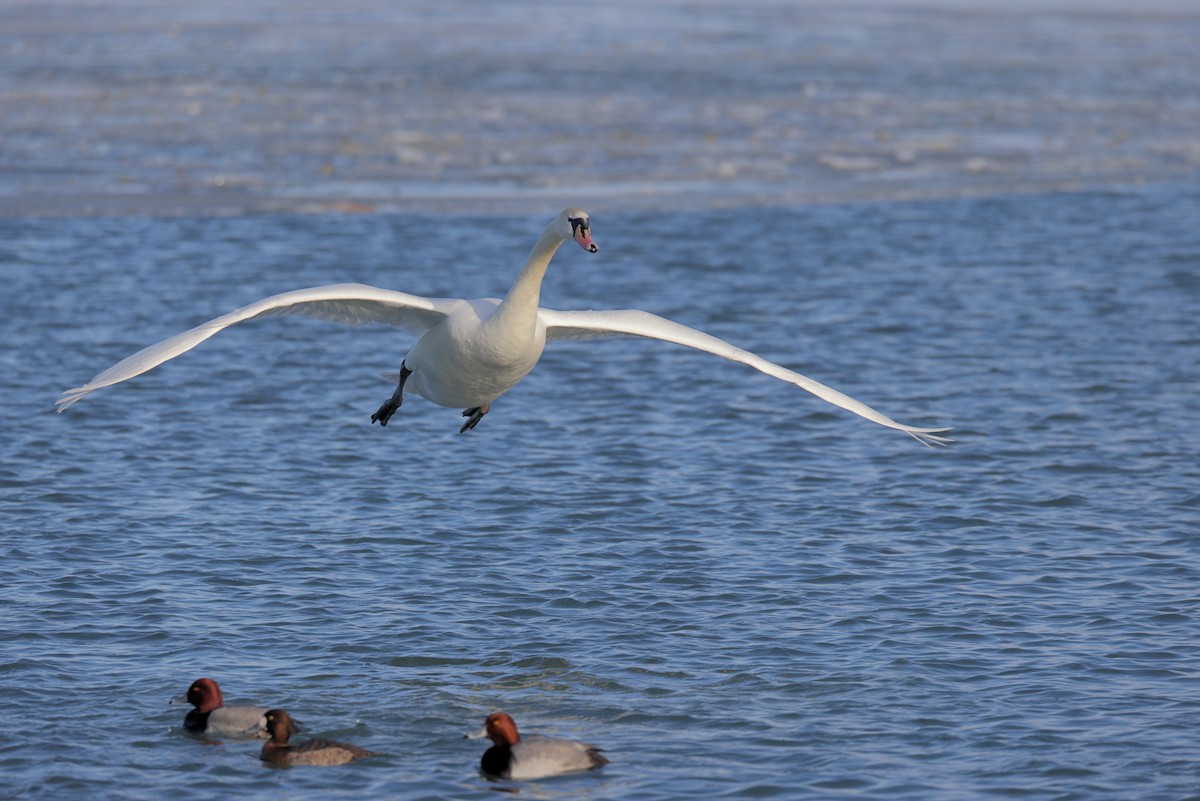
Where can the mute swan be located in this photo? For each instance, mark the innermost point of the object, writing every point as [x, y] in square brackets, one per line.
[473, 351]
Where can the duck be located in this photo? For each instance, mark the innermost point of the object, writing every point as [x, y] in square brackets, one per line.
[212, 718]
[278, 751]
[470, 352]
[511, 757]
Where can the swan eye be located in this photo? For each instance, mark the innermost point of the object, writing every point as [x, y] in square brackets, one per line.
[577, 223]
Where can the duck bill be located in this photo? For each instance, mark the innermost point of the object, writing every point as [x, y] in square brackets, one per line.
[178, 699]
[584, 237]
[476, 735]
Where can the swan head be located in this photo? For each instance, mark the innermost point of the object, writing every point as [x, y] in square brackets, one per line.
[574, 224]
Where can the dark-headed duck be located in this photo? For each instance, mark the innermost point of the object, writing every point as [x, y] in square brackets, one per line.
[278, 751]
[213, 719]
[535, 757]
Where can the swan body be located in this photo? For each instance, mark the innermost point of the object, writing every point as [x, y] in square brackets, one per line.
[467, 362]
[470, 352]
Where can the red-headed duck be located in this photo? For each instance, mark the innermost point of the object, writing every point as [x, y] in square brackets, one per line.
[278, 751]
[535, 757]
[212, 718]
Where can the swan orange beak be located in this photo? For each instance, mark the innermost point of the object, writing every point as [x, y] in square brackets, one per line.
[584, 237]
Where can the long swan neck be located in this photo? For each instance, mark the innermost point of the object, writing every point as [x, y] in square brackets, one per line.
[527, 289]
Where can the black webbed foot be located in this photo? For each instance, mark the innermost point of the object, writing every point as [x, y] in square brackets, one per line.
[386, 411]
[475, 414]
[393, 403]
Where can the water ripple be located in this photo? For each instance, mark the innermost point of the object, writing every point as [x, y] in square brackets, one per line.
[761, 599]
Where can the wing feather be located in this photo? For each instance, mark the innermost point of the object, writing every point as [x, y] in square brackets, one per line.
[350, 304]
[591, 324]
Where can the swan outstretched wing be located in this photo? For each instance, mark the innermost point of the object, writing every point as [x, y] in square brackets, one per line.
[590, 324]
[351, 304]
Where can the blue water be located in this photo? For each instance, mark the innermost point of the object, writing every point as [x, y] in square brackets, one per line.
[960, 213]
[735, 589]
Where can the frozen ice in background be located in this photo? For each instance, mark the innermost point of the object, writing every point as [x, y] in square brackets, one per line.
[263, 105]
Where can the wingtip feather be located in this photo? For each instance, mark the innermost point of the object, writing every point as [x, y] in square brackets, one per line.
[69, 399]
[929, 436]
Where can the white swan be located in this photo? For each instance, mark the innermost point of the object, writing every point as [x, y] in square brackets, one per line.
[473, 351]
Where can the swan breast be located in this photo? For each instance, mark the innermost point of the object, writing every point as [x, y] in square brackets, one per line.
[465, 362]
